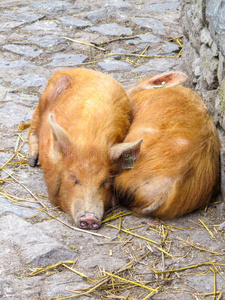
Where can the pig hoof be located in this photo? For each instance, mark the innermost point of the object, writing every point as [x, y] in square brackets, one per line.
[89, 221]
[33, 161]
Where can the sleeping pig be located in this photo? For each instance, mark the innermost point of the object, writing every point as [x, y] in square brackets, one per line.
[80, 116]
[174, 166]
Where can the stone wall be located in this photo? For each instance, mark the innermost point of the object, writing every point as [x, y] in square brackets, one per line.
[203, 59]
[203, 23]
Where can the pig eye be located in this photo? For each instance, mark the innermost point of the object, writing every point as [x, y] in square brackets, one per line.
[76, 181]
[105, 184]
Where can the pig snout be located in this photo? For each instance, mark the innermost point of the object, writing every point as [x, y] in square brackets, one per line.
[88, 220]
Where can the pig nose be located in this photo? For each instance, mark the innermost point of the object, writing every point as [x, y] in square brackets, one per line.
[88, 221]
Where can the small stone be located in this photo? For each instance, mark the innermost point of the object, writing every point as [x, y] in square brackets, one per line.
[149, 38]
[27, 99]
[118, 51]
[157, 65]
[30, 80]
[205, 37]
[170, 47]
[44, 41]
[114, 65]
[22, 16]
[120, 5]
[6, 63]
[163, 6]
[112, 29]
[43, 26]
[2, 39]
[111, 9]
[209, 70]
[61, 59]
[23, 50]
[6, 206]
[74, 23]
[6, 26]
[220, 70]
[11, 114]
[3, 159]
[152, 24]
[35, 247]
[53, 6]
[98, 15]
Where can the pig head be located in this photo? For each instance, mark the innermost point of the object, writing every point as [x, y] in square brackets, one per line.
[80, 116]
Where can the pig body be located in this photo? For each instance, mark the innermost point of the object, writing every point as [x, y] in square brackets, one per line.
[177, 170]
[79, 117]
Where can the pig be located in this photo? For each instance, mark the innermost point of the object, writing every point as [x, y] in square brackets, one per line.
[80, 116]
[174, 166]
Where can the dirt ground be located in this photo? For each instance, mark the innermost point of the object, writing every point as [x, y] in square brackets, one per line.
[43, 256]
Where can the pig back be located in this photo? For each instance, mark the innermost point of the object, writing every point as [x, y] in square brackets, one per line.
[93, 109]
[178, 167]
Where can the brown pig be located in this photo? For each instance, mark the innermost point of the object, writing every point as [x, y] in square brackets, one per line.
[176, 169]
[79, 117]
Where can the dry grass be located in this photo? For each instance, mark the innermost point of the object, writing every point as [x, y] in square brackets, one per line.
[111, 285]
[129, 278]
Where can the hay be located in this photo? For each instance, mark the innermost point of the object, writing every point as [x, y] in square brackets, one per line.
[200, 248]
[204, 225]
[155, 260]
[84, 43]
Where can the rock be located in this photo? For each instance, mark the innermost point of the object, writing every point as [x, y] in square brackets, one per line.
[114, 65]
[215, 16]
[61, 59]
[30, 80]
[99, 14]
[43, 26]
[113, 9]
[155, 25]
[221, 69]
[11, 114]
[222, 157]
[23, 15]
[220, 102]
[7, 63]
[2, 39]
[6, 26]
[156, 65]
[190, 63]
[205, 37]
[112, 29]
[170, 48]
[149, 38]
[163, 6]
[23, 50]
[205, 286]
[25, 99]
[74, 23]
[47, 41]
[35, 247]
[57, 6]
[21, 209]
[209, 70]
[120, 5]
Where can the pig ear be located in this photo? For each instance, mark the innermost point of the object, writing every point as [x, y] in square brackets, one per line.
[125, 154]
[61, 140]
[159, 81]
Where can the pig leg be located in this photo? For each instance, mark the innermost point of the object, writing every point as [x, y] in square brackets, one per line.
[33, 139]
[56, 86]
